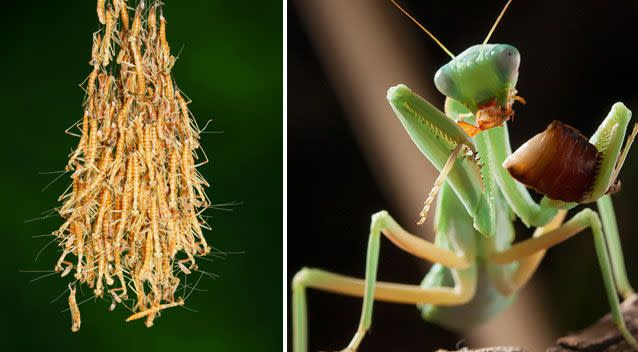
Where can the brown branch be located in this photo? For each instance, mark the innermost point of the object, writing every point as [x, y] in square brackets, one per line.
[602, 336]
[491, 349]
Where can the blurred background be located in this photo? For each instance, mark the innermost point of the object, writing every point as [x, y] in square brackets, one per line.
[230, 65]
[348, 155]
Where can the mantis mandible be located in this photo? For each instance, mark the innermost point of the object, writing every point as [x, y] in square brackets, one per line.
[481, 190]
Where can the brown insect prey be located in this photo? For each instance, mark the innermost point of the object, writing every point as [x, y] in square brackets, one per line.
[132, 215]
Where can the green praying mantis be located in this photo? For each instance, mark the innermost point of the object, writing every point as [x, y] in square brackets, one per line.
[481, 191]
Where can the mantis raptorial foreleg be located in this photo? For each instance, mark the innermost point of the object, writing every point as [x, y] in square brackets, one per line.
[370, 289]
[495, 145]
[584, 219]
[436, 136]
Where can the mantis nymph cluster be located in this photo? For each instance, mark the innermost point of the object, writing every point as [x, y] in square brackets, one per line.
[133, 214]
[480, 192]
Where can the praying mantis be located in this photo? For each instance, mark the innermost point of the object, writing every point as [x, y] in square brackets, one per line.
[481, 190]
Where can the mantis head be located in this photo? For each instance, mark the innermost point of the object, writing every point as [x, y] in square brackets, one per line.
[483, 79]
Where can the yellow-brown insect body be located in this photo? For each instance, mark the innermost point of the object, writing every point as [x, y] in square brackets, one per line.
[559, 163]
[135, 207]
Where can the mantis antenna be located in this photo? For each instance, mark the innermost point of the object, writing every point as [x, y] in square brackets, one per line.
[423, 28]
[498, 19]
[438, 182]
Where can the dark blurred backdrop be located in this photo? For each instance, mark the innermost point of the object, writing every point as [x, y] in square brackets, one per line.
[577, 60]
[230, 66]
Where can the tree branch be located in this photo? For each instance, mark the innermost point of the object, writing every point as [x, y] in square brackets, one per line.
[602, 336]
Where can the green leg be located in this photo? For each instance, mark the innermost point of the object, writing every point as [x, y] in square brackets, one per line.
[494, 146]
[608, 279]
[381, 222]
[370, 289]
[299, 312]
[436, 136]
[372, 261]
[606, 210]
[586, 218]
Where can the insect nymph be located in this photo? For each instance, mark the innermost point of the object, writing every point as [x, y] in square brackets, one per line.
[477, 269]
[133, 215]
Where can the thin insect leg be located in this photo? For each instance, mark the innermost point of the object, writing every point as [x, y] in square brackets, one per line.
[189, 309]
[37, 271]
[190, 287]
[126, 306]
[386, 225]
[584, 219]
[209, 259]
[205, 159]
[154, 310]
[527, 266]
[68, 130]
[206, 125]
[226, 253]
[50, 215]
[66, 193]
[226, 206]
[211, 275]
[54, 180]
[383, 291]
[438, 182]
[43, 248]
[60, 295]
[52, 172]
[40, 236]
[42, 277]
[608, 217]
[45, 214]
[382, 223]
[608, 279]
[193, 289]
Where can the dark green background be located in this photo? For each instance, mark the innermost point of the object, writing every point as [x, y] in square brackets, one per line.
[231, 68]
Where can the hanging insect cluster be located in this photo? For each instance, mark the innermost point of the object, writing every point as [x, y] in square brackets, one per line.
[132, 215]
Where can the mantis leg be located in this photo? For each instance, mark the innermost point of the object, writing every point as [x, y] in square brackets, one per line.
[608, 217]
[528, 265]
[382, 223]
[582, 220]
[436, 136]
[495, 147]
[517, 196]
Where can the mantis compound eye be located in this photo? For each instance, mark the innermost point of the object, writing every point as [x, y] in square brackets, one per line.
[559, 163]
[507, 60]
[445, 84]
